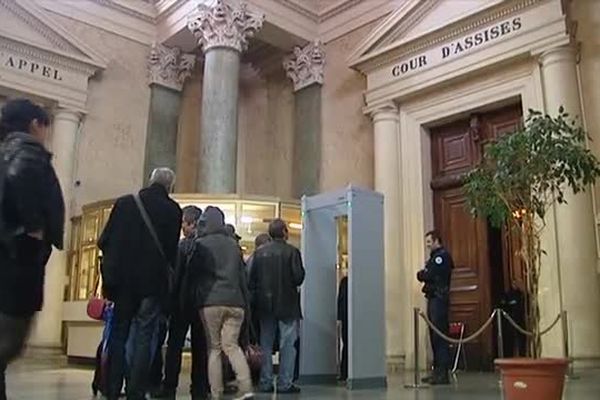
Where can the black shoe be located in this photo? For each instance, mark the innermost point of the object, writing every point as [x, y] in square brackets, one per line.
[440, 380]
[427, 379]
[163, 393]
[291, 390]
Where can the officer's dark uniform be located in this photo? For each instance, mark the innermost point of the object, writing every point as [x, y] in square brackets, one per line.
[436, 278]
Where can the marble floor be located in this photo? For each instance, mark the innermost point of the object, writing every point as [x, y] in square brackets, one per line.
[40, 380]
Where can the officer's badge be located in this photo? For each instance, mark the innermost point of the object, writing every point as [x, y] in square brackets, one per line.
[438, 260]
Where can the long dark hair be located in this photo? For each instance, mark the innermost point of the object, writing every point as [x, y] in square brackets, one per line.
[17, 115]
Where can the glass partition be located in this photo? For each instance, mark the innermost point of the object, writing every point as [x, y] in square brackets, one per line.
[250, 216]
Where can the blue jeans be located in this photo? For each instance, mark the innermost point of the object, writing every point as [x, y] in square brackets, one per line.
[144, 316]
[158, 339]
[288, 333]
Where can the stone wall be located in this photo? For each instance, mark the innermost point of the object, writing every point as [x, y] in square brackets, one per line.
[188, 132]
[347, 136]
[587, 15]
[111, 142]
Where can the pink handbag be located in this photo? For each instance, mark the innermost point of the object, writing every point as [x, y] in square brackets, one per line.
[95, 308]
[96, 304]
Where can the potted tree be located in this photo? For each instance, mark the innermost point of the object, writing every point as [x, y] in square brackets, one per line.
[521, 177]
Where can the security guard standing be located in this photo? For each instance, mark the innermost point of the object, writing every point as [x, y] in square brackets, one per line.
[436, 279]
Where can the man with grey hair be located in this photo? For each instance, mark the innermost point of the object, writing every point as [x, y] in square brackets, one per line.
[163, 176]
[139, 246]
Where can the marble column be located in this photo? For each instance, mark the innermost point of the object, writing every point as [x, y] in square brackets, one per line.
[168, 68]
[387, 181]
[575, 231]
[222, 32]
[47, 328]
[305, 68]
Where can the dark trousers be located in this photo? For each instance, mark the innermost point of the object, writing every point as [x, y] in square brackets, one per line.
[437, 312]
[178, 328]
[156, 368]
[344, 360]
[297, 362]
[2, 381]
[13, 334]
[145, 314]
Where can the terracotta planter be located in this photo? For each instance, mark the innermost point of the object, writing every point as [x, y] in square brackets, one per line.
[531, 379]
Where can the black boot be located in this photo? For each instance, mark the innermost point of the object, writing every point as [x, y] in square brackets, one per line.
[440, 378]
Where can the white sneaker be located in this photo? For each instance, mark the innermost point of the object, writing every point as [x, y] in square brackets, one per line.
[245, 396]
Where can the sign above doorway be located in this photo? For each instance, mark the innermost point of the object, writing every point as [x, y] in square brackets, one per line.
[457, 48]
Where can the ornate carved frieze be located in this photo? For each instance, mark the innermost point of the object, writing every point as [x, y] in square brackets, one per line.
[305, 66]
[169, 66]
[224, 26]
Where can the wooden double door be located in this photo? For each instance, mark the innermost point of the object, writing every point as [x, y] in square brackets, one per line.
[484, 257]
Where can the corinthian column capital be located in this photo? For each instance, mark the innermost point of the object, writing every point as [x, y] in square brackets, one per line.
[169, 66]
[224, 26]
[305, 66]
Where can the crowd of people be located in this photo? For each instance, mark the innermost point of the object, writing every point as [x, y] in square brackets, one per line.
[159, 284]
[156, 285]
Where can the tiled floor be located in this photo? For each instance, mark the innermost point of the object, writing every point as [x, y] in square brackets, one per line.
[42, 381]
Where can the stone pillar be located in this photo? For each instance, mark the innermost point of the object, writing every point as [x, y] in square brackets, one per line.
[222, 32]
[47, 329]
[575, 231]
[387, 181]
[305, 68]
[168, 69]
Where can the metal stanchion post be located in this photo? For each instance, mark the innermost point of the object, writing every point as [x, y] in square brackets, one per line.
[566, 350]
[500, 336]
[416, 383]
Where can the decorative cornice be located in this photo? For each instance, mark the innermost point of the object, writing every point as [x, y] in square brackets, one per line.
[386, 54]
[305, 66]
[37, 25]
[62, 44]
[165, 12]
[169, 67]
[50, 57]
[128, 10]
[337, 9]
[412, 17]
[383, 112]
[301, 9]
[320, 16]
[224, 26]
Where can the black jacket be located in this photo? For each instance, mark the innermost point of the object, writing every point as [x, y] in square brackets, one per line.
[31, 201]
[183, 298]
[218, 271]
[437, 274]
[132, 265]
[275, 278]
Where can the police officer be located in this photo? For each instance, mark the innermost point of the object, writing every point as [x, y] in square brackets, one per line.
[436, 279]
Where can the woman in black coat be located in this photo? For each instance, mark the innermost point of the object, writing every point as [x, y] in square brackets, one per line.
[31, 222]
